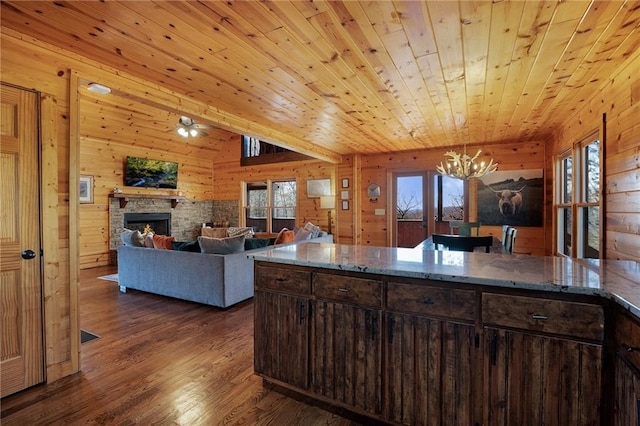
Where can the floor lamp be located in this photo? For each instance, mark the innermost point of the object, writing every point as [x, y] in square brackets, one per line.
[328, 202]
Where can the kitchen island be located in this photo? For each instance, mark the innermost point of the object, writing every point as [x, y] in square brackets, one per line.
[412, 336]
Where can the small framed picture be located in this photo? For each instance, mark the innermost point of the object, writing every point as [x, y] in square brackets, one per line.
[345, 205]
[345, 182]
[344, 195]
[85, 191]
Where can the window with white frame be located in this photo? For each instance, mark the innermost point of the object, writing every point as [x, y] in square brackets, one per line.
[578, 200]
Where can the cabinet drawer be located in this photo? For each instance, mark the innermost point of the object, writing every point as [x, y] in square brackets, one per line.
[439, 301]
[348, 289]
[578, 320]
[283, 279]
[628, 338]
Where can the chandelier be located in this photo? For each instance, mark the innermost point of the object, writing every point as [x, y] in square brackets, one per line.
[462, 166]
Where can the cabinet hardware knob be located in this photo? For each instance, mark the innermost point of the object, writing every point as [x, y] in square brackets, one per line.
[539, 317]
[428, 301]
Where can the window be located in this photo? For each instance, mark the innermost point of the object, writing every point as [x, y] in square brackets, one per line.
[589, 201]
[449, 195]
[578, 200]
[270, 206]
[564, 206]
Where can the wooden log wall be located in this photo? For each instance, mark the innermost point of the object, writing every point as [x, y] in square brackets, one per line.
[229, 176]
[619, 99]
[31, 67]
[378, 168]
[113, 127]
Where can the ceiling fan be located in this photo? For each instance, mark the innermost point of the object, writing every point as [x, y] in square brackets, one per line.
[187, 127]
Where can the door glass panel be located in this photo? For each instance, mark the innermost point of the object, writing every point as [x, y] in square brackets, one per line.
[409, 202]
[411, 226]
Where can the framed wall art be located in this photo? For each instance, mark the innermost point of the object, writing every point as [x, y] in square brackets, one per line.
[318, 188]
[85, 191]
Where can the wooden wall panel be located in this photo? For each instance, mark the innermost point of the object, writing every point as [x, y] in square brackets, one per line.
[26, 66]
[617, 98]
[228, 176]
[378, 168]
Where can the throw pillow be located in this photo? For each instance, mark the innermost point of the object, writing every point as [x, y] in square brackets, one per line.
[254, 243]
[148, 240]
[285, 236]
[214, 232]
[302, 235]
[235, 231]
[132, 238]
[221, 245]
[313, 229]
[163, 242]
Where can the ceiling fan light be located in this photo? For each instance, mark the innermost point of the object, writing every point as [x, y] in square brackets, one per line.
[183, 132]
[193, 132]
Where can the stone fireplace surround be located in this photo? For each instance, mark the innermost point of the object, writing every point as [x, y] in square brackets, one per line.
[186, 218]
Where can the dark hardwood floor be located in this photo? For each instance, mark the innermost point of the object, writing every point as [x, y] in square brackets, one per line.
[160, 361]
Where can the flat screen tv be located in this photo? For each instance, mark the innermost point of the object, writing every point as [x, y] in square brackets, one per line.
[143, 172]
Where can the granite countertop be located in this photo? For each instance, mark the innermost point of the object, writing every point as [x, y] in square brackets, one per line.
[614, 279]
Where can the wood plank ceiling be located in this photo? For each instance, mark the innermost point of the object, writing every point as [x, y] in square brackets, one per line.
[343, 77]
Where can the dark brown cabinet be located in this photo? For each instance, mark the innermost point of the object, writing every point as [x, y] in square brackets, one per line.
[626, 401]
[281, 325]
[416, 351]
[346, 341]
[535, 375]
[430, 354]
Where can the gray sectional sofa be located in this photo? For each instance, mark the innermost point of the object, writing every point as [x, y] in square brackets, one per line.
[213, 279]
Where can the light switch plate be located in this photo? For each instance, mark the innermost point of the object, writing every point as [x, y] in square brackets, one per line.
[379, 212]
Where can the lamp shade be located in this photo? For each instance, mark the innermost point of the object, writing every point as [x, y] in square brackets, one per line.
[328, 202]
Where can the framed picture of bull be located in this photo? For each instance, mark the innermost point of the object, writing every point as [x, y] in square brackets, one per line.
[512, 197]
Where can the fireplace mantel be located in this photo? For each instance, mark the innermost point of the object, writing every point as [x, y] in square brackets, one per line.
[124, 198]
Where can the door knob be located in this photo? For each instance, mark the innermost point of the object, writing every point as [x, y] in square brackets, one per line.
[28, 254]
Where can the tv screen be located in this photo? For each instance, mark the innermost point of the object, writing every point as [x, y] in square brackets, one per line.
[143, 172]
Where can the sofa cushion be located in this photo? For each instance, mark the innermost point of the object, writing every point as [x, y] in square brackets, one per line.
[190, 246]
[285, 236]
[221, 245]
[214, 232]
[163, 242]
[254, 243]
[132, 238]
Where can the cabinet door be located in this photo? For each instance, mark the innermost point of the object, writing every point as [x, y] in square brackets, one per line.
[281, 337]
[430, 370]
[537, 380]
[627, 393]
[346, 363]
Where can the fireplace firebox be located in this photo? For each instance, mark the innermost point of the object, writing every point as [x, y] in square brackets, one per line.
[160, 223]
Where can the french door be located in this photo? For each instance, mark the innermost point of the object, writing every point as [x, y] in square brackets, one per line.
[21, 347]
